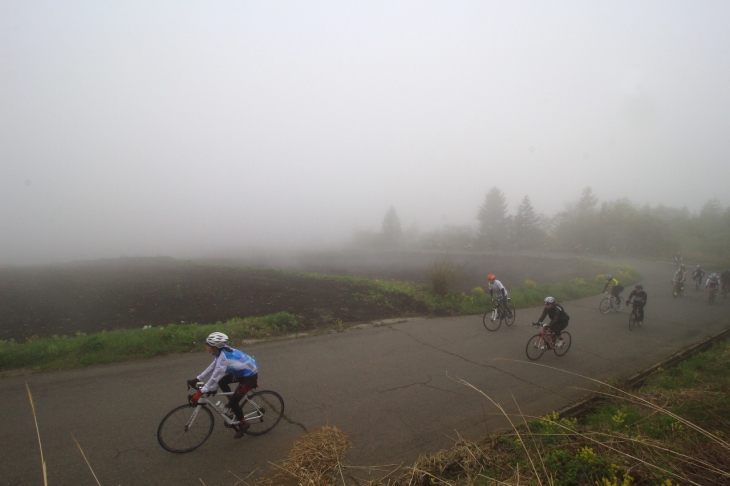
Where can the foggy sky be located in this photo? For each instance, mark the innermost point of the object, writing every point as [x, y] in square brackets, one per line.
[177, 128]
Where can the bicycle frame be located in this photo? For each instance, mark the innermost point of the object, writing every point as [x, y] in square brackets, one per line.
[208, 401]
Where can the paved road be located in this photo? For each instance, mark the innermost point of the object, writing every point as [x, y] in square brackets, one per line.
[392, 389]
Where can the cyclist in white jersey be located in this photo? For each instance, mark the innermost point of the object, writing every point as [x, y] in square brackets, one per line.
[502, 295]
[229, 365]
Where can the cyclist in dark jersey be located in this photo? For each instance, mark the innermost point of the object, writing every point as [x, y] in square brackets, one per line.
[640, 297]
[558, 317]
[697, 275]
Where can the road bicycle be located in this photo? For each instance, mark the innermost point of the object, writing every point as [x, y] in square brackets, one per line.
[634, 320]
[494, 318]
[698, 281]
[186, 427]
[538, 343]
[677, 289]
[611, 302]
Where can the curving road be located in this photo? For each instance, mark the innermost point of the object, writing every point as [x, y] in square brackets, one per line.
[392, 389]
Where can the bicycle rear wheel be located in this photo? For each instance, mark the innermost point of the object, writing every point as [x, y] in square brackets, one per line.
[509, 319]
[185, 428]
[632, 321]
[619, 304]
[263, 411]
[561, 349]
[491, 320]
[535, 347]
[605, 306]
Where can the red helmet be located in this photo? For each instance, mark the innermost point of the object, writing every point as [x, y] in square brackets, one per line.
[491, 277]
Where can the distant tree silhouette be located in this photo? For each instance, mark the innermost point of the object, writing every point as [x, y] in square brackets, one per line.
[391, 231]
[492, 216]
[526, 225]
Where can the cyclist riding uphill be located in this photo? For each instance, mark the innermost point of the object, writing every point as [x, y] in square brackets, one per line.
[558, 317]
[617, 287]
[640, 297]
[713, 281]
[502, 296]
[698, 273]
[680, 276]
[229, 365]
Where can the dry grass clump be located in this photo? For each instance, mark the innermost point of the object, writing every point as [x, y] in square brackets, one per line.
[463, 463]
[315, 459]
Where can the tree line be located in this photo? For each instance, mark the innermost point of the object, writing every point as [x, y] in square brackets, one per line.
[585, 225]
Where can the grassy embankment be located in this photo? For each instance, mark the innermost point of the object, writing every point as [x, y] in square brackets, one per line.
[674, 431]
[62, 352]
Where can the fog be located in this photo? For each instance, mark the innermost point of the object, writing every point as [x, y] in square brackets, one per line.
[187, 128]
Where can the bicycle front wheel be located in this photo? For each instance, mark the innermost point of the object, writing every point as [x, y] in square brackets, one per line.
[535, 347]
[491, 320]
[263, 411]
[632, 321]
[605, 306]
[185, 428]
[562, 348]
[509, 319]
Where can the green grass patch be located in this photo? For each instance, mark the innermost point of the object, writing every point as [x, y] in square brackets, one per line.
[61, 352]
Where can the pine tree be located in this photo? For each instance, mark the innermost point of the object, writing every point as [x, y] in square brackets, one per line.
[526, 225]
[493, 228]
[391, 231]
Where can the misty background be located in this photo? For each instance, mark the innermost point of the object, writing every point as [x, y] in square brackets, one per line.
[186, 129]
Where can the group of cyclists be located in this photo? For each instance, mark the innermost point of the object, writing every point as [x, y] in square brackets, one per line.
[713, 283]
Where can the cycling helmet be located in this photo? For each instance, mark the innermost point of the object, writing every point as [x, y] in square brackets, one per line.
[217, 340]
[549, 300]
[609, 276]
[639, 287]
[698, 267]
[491, 277]
[714, 276]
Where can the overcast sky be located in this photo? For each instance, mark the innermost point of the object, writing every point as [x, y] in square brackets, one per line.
[173, 128]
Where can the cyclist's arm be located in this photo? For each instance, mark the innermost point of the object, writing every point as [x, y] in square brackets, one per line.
[219, 369]
[542, 317]
[207, 371]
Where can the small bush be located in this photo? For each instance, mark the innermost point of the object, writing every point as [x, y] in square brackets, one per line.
[443, 274]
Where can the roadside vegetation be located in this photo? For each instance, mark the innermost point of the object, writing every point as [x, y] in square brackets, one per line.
[674, 431]
[81, 349]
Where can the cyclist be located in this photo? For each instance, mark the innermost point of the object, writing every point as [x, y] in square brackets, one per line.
[558, 317]
[697, 275]
[617, 287]
[678, 257]
[640, 297]
[502, 296]
[679, 278]
[229, 365]
[713, 282]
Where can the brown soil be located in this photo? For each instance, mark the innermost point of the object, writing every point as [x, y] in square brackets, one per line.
[134, 292]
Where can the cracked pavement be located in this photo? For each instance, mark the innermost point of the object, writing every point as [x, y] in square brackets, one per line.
[392, 389]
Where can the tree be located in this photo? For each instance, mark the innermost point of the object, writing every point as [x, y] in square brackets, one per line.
[391, 231]
[492, 218]
[526, 225]
[588, 202]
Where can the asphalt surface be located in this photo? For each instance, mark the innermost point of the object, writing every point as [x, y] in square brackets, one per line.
[392, 389]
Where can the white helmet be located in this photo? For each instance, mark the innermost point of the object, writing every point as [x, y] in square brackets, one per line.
[549, 300]
[217, 340]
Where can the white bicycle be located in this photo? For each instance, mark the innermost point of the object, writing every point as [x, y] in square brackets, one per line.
[186, 427]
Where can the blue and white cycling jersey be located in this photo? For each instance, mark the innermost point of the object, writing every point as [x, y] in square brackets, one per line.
[234, 361]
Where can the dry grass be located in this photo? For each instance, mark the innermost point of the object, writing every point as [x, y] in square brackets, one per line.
[315, 459]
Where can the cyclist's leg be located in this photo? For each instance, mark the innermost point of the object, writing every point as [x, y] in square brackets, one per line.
[245, 384]
[640, 312]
